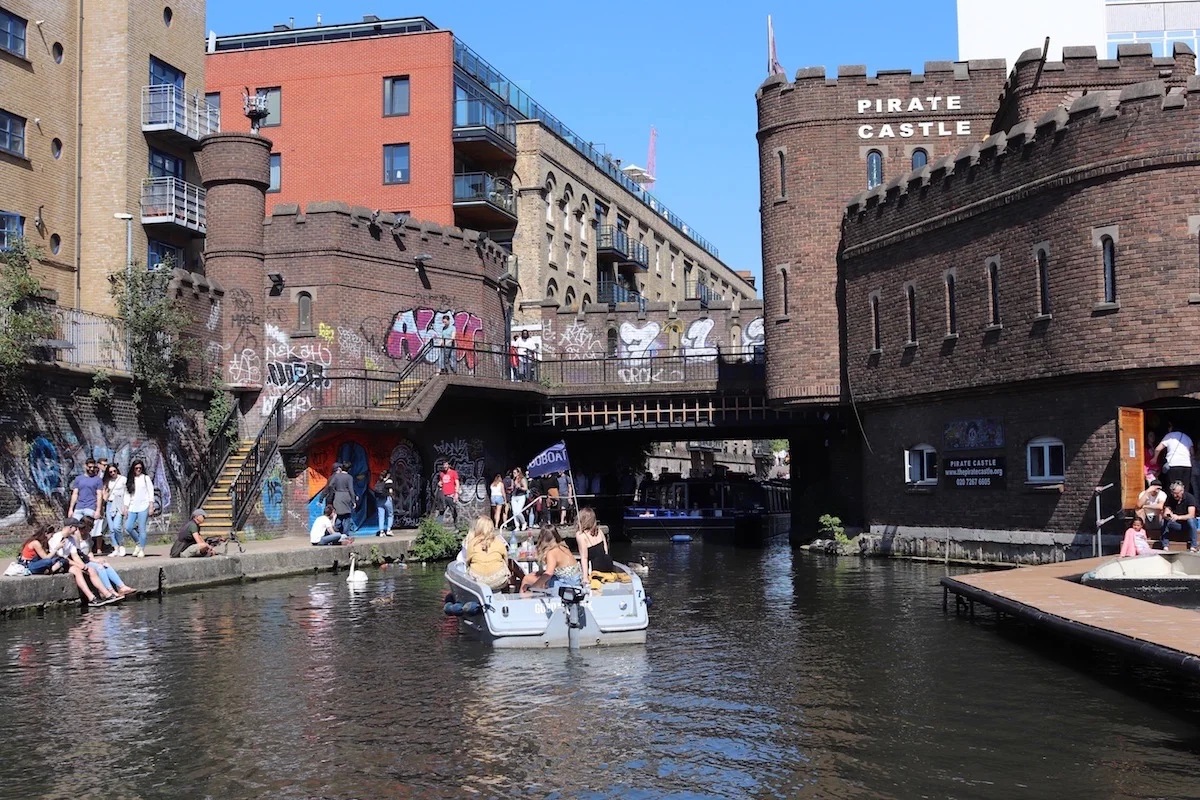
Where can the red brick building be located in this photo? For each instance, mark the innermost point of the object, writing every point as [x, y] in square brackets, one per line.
[989, 311]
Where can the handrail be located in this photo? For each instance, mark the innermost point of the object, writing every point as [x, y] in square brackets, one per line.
[205, 475]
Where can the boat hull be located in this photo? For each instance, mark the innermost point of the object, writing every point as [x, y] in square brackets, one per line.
[616, 615]
[1169, 578]
[747, 530]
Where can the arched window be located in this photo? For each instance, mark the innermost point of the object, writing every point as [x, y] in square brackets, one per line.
[569, 299]
[874, 169]
[993, 269]
[1043, 277]
[920, 465]
[1045, 460]
[919, 158]
[951, 305]
[910, 295]
[1110, 269]
[304, 312]
[587, 300]
[735, 337]
[551, 289]
[782, 175]
[876, 336]
[612, 342]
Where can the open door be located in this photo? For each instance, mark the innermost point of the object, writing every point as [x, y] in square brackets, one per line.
[1130, 437]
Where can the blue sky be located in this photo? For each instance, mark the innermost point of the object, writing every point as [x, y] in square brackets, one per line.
[611, 70]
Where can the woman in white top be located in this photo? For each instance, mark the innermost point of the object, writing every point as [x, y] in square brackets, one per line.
[139, 496]
[114, 511]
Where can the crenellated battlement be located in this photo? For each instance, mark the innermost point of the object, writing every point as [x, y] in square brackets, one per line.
[1034, 88]
[1100, 134]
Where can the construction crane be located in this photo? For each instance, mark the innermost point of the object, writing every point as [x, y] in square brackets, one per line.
[645, 177]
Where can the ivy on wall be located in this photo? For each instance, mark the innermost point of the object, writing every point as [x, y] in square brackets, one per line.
[24, 319]
[155, 325]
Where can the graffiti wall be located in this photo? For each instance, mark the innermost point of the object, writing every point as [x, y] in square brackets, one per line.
[412, 328]
[46, 440]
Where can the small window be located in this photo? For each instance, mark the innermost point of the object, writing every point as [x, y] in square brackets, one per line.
[12, 133]
[304, 312]
[395, 96]
[168, 16]
[1110, 269]
[783, 281]
[274, 96]
[12, 229]
[782, 175]
[163, 74]
[910, 295]
[275, 177]
[213, 100]
[993, 269]
[1043, 277]
[56, 50]
[874, 169]
[1045, 460]
[569, 299]
[12, 33]
[161, 254]
[587, 300]
[551, 289]
[876, 336]
[395, 163]
[951, 305]
[919, 158]
[920, 466]
[612, 341]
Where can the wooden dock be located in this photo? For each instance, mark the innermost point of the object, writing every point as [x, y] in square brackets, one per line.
[1051, 597]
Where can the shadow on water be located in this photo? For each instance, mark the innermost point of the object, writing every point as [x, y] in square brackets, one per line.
[767, 674]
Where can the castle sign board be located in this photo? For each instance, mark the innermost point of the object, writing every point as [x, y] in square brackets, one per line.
[912, 105]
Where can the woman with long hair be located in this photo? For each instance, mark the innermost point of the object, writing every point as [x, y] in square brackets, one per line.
[520, 491]
[139, 497]
[35, 554]
[114, 508]
[558, 567]
[383, 502]
[593, 545]
[499, 497]
[487, 555]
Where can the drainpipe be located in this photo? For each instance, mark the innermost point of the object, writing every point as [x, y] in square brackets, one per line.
[79, 162]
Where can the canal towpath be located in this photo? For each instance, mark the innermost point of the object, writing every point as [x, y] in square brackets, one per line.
[288, 555]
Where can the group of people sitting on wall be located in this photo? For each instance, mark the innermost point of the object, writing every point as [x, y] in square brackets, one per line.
[1169, 463]
[486, 555]
[67, 549]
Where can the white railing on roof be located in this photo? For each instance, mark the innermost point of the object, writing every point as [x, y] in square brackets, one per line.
[171, 108]
[94, 340]
[172, 200]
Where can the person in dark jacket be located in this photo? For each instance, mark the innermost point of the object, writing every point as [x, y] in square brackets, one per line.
[340, 494]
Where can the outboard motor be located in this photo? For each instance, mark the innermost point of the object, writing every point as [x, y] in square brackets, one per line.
[572, 597]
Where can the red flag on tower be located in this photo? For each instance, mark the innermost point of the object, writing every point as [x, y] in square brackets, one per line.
[773, 65]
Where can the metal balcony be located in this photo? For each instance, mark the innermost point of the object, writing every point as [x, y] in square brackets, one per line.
[611, 292]
[174, 114]
[704, 446]
[485, 133]
[702, 292]
[615, 246]
[483, 202]
[174, 202]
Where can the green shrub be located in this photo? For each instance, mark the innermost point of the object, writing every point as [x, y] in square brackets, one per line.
[830, 527]
[435, 542]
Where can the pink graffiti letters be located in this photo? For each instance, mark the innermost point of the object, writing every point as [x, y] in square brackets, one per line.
[412, 328]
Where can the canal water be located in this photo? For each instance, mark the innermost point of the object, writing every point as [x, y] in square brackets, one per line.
[767, 674]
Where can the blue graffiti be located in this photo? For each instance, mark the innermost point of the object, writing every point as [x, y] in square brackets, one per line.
[44, 467]
[272, 498]
[366, 518]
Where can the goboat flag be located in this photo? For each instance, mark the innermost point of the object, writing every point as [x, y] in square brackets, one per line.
[552, 459]
[773, 65]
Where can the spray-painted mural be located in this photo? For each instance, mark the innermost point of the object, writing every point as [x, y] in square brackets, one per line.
[467, 457]
[412, 328]
[290, 363]
[368, 454]
[406, 472]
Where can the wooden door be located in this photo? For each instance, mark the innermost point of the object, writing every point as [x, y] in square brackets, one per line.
[1130, 439]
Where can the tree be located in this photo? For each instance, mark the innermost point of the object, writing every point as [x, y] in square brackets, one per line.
[24, 319]
[779, 445]
[154, 327]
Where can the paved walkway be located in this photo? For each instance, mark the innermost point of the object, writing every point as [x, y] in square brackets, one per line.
[156, 572]
[1047, 595]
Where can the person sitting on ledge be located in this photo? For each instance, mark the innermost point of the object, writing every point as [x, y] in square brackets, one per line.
[1136, 543]
[35, 554]
[1151, 504]
[64, 545]
[1179, 516]
[189, 543]
[322, 531]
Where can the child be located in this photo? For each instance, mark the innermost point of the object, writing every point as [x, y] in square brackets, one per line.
[1135, 543]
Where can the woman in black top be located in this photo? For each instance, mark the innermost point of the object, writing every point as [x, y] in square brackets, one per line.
[593, 545]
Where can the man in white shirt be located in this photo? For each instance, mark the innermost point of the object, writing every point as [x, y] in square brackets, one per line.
[1178, 447]
[322, 533]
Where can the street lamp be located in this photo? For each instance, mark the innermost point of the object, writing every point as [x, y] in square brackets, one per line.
[128, 239]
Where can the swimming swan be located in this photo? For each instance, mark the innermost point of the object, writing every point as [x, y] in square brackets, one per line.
[356, 577]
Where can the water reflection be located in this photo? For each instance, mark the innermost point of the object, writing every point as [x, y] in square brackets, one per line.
[766, 674]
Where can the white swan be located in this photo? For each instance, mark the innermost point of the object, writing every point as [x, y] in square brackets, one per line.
[356, 577]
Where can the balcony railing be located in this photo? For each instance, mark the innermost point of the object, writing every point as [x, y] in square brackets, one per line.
[629, 250]
[87, 340]
[612, 292]
[704, 445]
[702, 292]
[470, 113]
[174, 202]
[169, 108]
[480, 187]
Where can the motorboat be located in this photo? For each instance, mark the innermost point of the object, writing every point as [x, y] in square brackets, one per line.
[1172, 578]
[565, 616]
[739, 511]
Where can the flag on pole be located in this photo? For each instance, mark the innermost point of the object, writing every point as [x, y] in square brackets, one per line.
[552, 459]
[773, 65]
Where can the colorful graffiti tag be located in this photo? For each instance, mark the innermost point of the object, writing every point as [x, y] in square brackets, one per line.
[411, 329]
